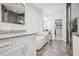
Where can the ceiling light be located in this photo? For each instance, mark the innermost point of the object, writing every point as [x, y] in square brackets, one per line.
[53, 7]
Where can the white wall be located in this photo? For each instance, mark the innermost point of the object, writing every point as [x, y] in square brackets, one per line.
[75, 10]
[58, 13]
[10, 26]
[64, 25]
[33, 19]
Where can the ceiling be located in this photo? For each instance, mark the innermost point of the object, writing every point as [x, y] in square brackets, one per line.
[15, 7]
[49, 7]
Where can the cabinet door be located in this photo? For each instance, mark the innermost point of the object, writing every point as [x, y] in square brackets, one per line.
[30, 50]
[75, 45]
[23, 40]
[15, 52]
[4, 46]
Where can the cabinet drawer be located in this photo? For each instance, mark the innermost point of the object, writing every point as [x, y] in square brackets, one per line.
[18, 46]
[23, 40]
[15, 51]
[5, 45]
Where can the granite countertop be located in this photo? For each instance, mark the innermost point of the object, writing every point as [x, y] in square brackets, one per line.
[11, 35]
[75, 33]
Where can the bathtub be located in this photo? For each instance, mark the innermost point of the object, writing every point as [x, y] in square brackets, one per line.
[41, 40]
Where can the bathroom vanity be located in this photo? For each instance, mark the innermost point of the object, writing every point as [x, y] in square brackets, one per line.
[75, 38]
[17, 44]
[14, 40]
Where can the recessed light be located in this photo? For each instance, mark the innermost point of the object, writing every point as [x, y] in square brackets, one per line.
[53, 7]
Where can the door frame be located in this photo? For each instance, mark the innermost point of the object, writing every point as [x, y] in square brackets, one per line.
[68, 26]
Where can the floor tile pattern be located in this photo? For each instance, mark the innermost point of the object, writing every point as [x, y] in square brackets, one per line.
[54, 48]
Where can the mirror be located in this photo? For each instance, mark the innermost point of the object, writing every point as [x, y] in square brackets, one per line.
[13, 13]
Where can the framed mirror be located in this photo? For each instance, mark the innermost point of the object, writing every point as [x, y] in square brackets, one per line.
[13, 13]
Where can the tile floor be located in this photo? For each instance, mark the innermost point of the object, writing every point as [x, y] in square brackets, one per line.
[55, 48]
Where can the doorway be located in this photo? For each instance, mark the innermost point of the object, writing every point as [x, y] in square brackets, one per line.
[58, 29]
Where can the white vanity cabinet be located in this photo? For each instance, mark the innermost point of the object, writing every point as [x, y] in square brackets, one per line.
[24, 50]
[19, 46]
[14, 52]
[30, 49]
[75, 45]
[28, 43]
